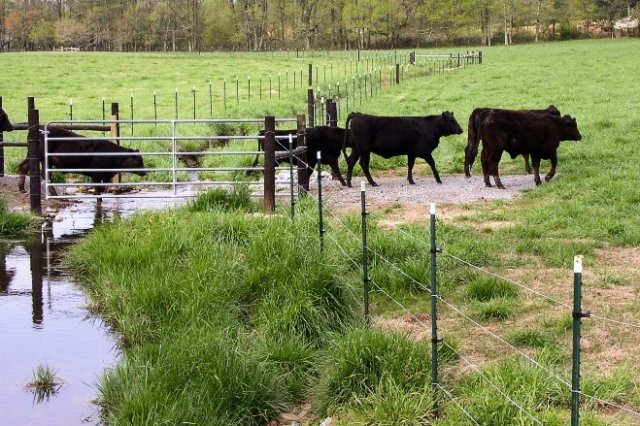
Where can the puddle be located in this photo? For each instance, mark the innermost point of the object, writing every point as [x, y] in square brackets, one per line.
[44, 320]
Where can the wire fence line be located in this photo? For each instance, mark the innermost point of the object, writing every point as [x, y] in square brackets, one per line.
[520, 285]
[417, 319]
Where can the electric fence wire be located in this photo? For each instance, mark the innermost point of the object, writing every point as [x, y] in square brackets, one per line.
[463, 315]
[455, 401]
[417, 319]
[522, 286]
[476, 324]
[611, 404]
[488, 380]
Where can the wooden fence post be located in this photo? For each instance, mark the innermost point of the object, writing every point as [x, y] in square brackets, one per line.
[269, 164]
[34, 162]
[303, 164]
[332, 113]
[1, 148]
[311, 106]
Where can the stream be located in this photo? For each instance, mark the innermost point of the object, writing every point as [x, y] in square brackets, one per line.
[44, 320]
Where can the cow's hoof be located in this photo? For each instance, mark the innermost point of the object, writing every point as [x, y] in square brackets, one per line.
[538, 182]
[501, 187]
[23, 191]
[547, 178]
[439, 181]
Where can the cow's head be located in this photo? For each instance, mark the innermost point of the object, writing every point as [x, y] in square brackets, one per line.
[449, 124]
[134, 161]
[5, 124]
[569, 131]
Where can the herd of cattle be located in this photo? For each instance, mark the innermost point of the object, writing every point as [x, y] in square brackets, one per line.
[534, 134]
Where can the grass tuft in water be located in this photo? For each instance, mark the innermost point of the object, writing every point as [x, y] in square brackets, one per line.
[45, 383]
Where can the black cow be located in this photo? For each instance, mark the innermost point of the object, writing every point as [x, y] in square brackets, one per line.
[473, 140]
[415, 137]
[327, 140]
[5, 124]
[86, 145]
[521, 132]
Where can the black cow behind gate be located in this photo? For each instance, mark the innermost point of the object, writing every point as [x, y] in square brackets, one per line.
[415, 137]
[521, 132]
[473, 131]
[124, 158]
[5, 124]
[324, 139]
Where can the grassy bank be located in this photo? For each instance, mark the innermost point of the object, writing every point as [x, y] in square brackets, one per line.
[16, 225]
[229, 317]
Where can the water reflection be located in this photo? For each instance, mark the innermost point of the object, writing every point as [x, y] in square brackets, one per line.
[44, 319]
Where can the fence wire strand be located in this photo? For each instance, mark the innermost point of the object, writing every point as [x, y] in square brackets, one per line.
[488, 380]
[476, 324]
[453, 399]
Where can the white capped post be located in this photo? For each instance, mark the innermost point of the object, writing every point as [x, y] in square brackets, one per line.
[577, 264]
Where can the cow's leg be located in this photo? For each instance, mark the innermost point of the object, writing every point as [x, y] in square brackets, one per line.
[52, 191]
[365, 158]
[496, 175]
[97, 190]
[552, 171]
[22, 169]
[351, 162]
[432, 163]
[527, 166]
[411, 160]
[484, 160]
[494, 161]
[335, 171]
[535, 161]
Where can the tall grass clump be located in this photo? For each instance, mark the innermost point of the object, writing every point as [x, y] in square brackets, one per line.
[15, 225]
[222, 305]
[485, 289]
[356, 364]
[238, 198]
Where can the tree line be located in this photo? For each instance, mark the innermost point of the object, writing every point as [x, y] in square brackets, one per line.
[204, 25]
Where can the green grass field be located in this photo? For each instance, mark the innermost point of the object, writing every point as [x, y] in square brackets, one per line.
[233, 319]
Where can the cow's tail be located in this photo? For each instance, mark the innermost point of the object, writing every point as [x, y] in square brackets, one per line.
[346, 142]
[471, 150]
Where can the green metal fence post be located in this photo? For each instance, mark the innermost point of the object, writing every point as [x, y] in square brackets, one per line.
[365, 264]
[320, 219]
[577, 314]
[434, 313]
[293, 198]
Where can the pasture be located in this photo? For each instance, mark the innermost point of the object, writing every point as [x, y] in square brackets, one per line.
[221, 304]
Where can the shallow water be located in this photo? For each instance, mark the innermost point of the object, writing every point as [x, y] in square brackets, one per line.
[44, 320]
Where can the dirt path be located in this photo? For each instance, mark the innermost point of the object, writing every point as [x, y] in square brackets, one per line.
[391, 191]
[397, 191]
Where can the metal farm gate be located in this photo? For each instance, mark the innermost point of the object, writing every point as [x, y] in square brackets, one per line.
[181, 158]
